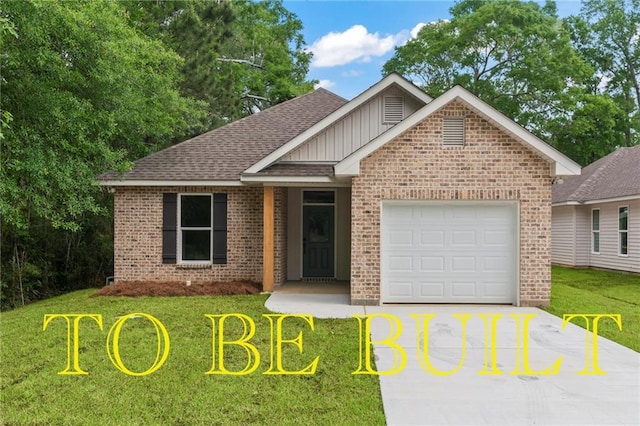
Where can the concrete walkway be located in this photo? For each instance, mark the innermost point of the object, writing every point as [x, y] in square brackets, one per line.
[416, 397]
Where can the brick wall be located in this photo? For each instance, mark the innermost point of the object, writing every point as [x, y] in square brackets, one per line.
[416, 166]
[138, 236]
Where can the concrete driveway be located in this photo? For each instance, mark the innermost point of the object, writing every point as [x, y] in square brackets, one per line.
[416, 397]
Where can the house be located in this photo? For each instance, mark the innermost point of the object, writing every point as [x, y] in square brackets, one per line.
[596, 216]
[411, 199]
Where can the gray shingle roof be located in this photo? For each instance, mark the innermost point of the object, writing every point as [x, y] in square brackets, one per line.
[616, 175]
[225, 152]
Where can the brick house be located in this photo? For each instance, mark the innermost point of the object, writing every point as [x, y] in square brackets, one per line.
[410, 199]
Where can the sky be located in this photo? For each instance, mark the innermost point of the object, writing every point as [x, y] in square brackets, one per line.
[351, 40]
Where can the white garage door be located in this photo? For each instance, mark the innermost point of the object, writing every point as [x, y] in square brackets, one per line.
[459, 252]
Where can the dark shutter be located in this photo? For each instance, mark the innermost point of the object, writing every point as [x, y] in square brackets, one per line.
[169, 225]
[219, 228]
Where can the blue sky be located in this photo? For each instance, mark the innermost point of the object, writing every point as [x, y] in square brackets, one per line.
[351, 40]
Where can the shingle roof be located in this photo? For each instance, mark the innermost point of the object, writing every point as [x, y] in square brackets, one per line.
[225, 152]
[616, 175]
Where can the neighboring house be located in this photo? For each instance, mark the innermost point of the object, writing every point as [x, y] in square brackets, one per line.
[411, 199]
[596, 216]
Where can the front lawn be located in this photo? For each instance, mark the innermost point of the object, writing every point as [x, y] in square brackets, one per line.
[588, 291]
[179, 393]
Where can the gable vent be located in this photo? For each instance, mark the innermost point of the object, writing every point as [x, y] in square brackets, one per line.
[453, 131]
[393, 109]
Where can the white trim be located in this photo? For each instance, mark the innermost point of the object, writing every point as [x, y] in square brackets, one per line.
[179, 260]
[290, 179]
[338, 114]
[594, 231]
[592, 202]
[566, 203]
[613, 200]
[170, 183]
[621, 231]
[561, 165]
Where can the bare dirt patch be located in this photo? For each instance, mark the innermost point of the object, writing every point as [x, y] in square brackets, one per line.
[177, 288]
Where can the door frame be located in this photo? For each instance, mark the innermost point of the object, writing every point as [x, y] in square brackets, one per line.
[335, 228]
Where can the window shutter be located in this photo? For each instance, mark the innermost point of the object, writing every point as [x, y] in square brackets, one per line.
[219, 228]
[453, 131]
[393, 109]
[169, 225]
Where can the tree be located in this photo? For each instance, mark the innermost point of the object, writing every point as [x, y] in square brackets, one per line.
[238, 57]
[607, 34]
[516, 56]
[87, 93]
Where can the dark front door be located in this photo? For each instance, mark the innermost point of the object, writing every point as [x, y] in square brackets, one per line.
[318, 241]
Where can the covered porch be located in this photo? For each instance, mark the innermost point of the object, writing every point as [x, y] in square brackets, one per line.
[307, 238]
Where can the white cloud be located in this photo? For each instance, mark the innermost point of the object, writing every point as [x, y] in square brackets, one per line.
[357, 44]
[354, 44]
[415, 30]
[324, 84]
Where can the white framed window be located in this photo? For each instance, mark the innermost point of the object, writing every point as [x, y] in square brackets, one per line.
[623, 230]
[595, 231]
[195, 228]
[392, 109]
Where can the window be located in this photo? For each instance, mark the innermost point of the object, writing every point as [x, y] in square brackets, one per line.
[623, 230]
[453, 131]
[595, 231]
[393, 109]
[195, 230]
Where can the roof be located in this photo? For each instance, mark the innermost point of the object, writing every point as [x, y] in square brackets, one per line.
[561, 165]
[224, 153]
[392, 79]
[614, 176]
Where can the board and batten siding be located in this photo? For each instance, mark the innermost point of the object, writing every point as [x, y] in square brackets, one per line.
[609, 257]
[352, 131]
[563, 235]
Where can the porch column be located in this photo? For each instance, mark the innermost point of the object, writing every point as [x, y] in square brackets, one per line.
[267, 239]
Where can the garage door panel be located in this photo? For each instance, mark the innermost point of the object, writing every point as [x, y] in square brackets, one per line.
[431, 288]
[401, 289]
[432, 264]
[431, 238]
[464, 288]
[458, 254]
[401, 264]
[463, 238]
[463, 264]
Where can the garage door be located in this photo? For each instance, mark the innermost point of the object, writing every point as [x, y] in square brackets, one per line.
[461, 252]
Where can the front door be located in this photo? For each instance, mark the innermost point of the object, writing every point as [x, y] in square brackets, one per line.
[318, 241]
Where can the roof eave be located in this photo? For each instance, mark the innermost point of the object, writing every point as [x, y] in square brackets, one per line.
[151, 182]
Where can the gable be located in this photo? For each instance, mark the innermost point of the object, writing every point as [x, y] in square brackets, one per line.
[488, 159]
[357, 128]
[559, 164]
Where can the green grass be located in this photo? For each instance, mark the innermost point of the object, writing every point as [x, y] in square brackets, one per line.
[179, 393]
[599, 292]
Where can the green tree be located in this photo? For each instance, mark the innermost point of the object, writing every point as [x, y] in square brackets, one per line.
[516, 56]
[239, 57]
[87, 93]
[607, 34]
